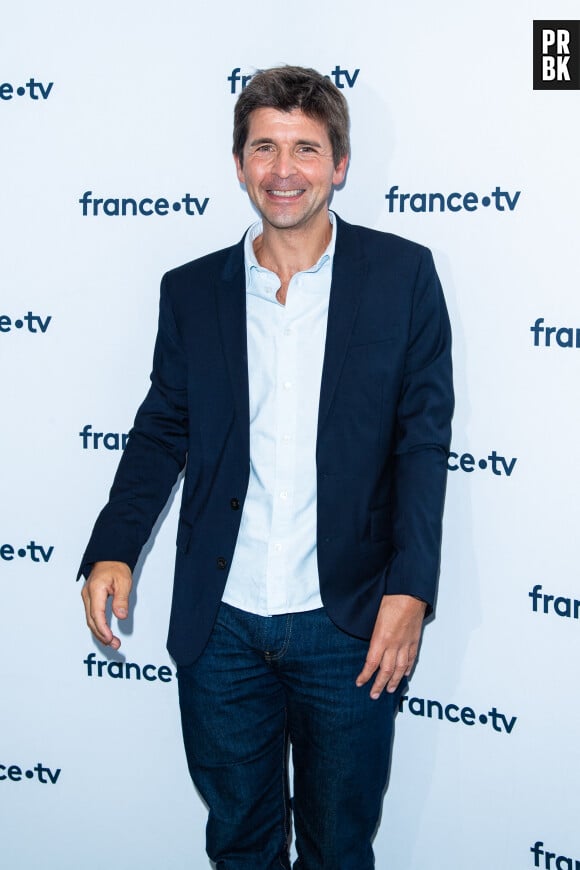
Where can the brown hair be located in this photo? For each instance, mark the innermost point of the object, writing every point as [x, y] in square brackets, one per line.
[294, 87]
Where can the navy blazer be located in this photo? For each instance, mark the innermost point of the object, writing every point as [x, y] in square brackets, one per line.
[386, 402]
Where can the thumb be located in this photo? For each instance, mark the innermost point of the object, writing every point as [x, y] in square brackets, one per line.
[121, 601]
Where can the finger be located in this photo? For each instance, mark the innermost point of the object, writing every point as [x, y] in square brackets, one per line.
[412, 659]
[95, 603]
[106, 639]
[390, 674]
[396, 678]
[87, 605]
[98, 606]
[383, 675]
[373, 660]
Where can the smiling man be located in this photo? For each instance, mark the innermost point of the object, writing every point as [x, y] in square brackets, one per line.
[305, 376]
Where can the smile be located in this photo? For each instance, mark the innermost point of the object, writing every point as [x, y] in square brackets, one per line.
[286, 194]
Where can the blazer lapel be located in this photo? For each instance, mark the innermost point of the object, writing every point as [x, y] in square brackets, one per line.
[348, 275]
[231, 308]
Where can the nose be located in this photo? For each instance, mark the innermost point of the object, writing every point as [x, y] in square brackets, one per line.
[283, 163]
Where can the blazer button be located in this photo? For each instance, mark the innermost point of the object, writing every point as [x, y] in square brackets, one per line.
[221, 562]
[235, 504]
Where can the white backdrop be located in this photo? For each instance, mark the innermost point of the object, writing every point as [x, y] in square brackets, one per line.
[134, 100]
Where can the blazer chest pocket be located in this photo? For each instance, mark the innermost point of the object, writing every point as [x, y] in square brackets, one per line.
[374, 330]
[381, 525]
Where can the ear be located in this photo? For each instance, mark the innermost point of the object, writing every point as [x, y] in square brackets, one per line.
[340, 170]
[239, 170]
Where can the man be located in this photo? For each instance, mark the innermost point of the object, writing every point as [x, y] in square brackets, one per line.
[305, 376]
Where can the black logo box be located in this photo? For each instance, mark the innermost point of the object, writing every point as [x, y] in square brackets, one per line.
[571, 32]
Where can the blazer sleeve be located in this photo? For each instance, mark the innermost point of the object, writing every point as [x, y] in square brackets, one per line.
[153, 458]
[422, 439]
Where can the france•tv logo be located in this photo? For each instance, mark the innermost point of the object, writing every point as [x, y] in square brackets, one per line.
[557, 55]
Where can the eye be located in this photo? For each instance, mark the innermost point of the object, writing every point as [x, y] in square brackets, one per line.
[266, 147]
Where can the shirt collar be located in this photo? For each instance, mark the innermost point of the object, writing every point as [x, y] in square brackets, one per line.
[251, 262]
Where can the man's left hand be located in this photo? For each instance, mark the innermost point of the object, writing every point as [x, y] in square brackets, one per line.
[394, 643]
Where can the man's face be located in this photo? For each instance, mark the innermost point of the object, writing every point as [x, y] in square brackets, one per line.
[288, 167]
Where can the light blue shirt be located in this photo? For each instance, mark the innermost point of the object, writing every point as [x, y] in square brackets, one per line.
[274, 569]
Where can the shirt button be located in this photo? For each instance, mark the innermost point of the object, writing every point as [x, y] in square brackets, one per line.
[284, 494]
[286, 438]
[288, 331]
[235, 504]
[287, 385]
[221, 562]
[278, 548]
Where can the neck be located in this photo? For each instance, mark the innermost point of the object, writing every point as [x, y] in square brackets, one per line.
[287, 252]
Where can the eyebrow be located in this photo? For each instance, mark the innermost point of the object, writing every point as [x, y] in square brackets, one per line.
[265, 140]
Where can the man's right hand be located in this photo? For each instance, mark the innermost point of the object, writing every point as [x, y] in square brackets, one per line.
[107, 578]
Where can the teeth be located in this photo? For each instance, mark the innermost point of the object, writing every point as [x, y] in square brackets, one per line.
[285, 193]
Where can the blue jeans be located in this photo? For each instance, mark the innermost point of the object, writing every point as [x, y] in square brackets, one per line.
[260, 684]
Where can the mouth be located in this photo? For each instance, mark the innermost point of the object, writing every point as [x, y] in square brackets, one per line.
[286, 194]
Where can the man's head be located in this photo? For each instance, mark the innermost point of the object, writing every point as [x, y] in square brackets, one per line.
[293, 87]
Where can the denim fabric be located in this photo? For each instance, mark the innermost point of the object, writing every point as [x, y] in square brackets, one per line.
[261, 684]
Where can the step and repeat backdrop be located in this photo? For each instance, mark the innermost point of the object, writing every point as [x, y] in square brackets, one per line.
[115, 157]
